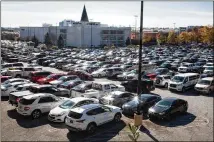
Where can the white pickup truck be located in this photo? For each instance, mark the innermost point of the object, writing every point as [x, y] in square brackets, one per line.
[22, 72]
[98, 90]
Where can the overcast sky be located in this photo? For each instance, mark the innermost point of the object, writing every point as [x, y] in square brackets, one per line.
[156, 14]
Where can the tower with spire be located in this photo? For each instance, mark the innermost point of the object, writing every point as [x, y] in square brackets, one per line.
[84, 17]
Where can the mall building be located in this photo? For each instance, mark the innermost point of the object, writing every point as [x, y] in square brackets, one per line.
[83, 33]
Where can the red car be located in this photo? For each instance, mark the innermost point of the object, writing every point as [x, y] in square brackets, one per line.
[36, 75]
[83, 75]
[4, 78]
[49, 78]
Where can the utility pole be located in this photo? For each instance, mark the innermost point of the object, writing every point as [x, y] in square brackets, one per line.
[135, 26]
[91, 32]
[140, 50]
[174, 25]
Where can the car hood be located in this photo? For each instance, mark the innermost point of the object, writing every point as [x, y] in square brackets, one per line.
[57, 110]
[108, 97]
[63, 89]
[158, 109]
[56, 82]
[201, 85]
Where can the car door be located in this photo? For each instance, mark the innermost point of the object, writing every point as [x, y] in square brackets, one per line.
[45, 104]
[98, 115]
[175, 107]
[108, 114]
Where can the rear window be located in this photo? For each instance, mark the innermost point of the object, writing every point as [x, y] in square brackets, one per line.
[19, 88]
[75, 115]
[26, 101]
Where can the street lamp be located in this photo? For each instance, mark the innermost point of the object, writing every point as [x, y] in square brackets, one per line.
[91, 32]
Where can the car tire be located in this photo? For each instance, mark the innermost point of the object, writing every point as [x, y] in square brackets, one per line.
[18, 76]
[183, 89]
[36, 114]
[91, 128]
[166, 85]
[117, 117]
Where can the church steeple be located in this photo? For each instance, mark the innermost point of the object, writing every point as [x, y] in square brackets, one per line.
[84, 17]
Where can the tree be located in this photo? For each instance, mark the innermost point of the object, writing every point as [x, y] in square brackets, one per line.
[161, 38]
[60, 42]
[183, 37]
[206, 35]
[128, 41]
[172, 38]
[147, 38]
[48, 41]
[35, 40]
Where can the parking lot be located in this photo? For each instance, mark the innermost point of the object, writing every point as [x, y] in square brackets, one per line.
[196, 125]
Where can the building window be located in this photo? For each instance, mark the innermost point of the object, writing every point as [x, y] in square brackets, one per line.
[120, 38]
[120, 32]
[113, 32]
[105, 32]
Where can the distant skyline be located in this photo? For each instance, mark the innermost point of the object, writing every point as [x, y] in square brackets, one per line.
[119, 13]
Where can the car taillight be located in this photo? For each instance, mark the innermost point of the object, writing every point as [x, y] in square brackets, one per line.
[80, 121]
[17, 100]
[26, 108]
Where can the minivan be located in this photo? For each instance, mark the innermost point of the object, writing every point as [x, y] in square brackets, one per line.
[184, 81]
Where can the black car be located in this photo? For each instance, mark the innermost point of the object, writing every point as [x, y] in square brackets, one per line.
[147, 85]
[82, 87]
[168, 107]
[142, 102]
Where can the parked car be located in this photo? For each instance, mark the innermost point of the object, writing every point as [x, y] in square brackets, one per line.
[12, 80]
[167, 107]
[81, 88]
[182, 82]
[205, 85]
[116, 98]
[36, 104]
[70, 84]
[131, 85]
[63, 79]
[186, 67]
[142, 102]
[59, 113]
[5, 78]
[36, 75]
[22, 72]
[49, 78]
[88, 117]
[162, 80]
[98, 90]
[60, 92]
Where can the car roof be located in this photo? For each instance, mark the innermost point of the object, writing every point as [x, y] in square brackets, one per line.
[34, 96]
[78, 99]
[13, 79]
[28, 84]
[85, 108]
[208, 78]
[186, 74]
[102, 83]
[40, 86]
[149, 95]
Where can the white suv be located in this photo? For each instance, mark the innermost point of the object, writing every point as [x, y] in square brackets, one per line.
[59, 113]
[36, 104]
[162, 80]
[88, 117]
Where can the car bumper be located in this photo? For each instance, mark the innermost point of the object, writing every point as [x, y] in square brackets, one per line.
[73, 129]
[24, 113]
[201, 91]
[175, 88]
[56, 118]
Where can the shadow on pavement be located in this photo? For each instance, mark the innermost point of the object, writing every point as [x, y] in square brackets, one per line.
[180, 120]
[4, 98]
[104, 133]
[189, 92]
[146, 131]
[57, 125]
[27, 122]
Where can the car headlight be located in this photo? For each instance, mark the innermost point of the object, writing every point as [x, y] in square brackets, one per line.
[62, 113]
[162, 113]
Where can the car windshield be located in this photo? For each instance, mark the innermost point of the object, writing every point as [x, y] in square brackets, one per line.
[19, 88]
[7, 85]
[204, 82]
[62, 78]
[209, 68]
[164, 103]
[68, 83]
[6, 82]
[158, 70]
[67, 104]
[50, 76]
[177, 79]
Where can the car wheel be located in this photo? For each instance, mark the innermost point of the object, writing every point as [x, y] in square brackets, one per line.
[36, 114]
[166, 85]
[117, 117]
[91, 128]
[183, 89]
[18, 76]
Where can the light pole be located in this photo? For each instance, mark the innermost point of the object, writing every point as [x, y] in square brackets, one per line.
[174, 25]
[91, 32]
